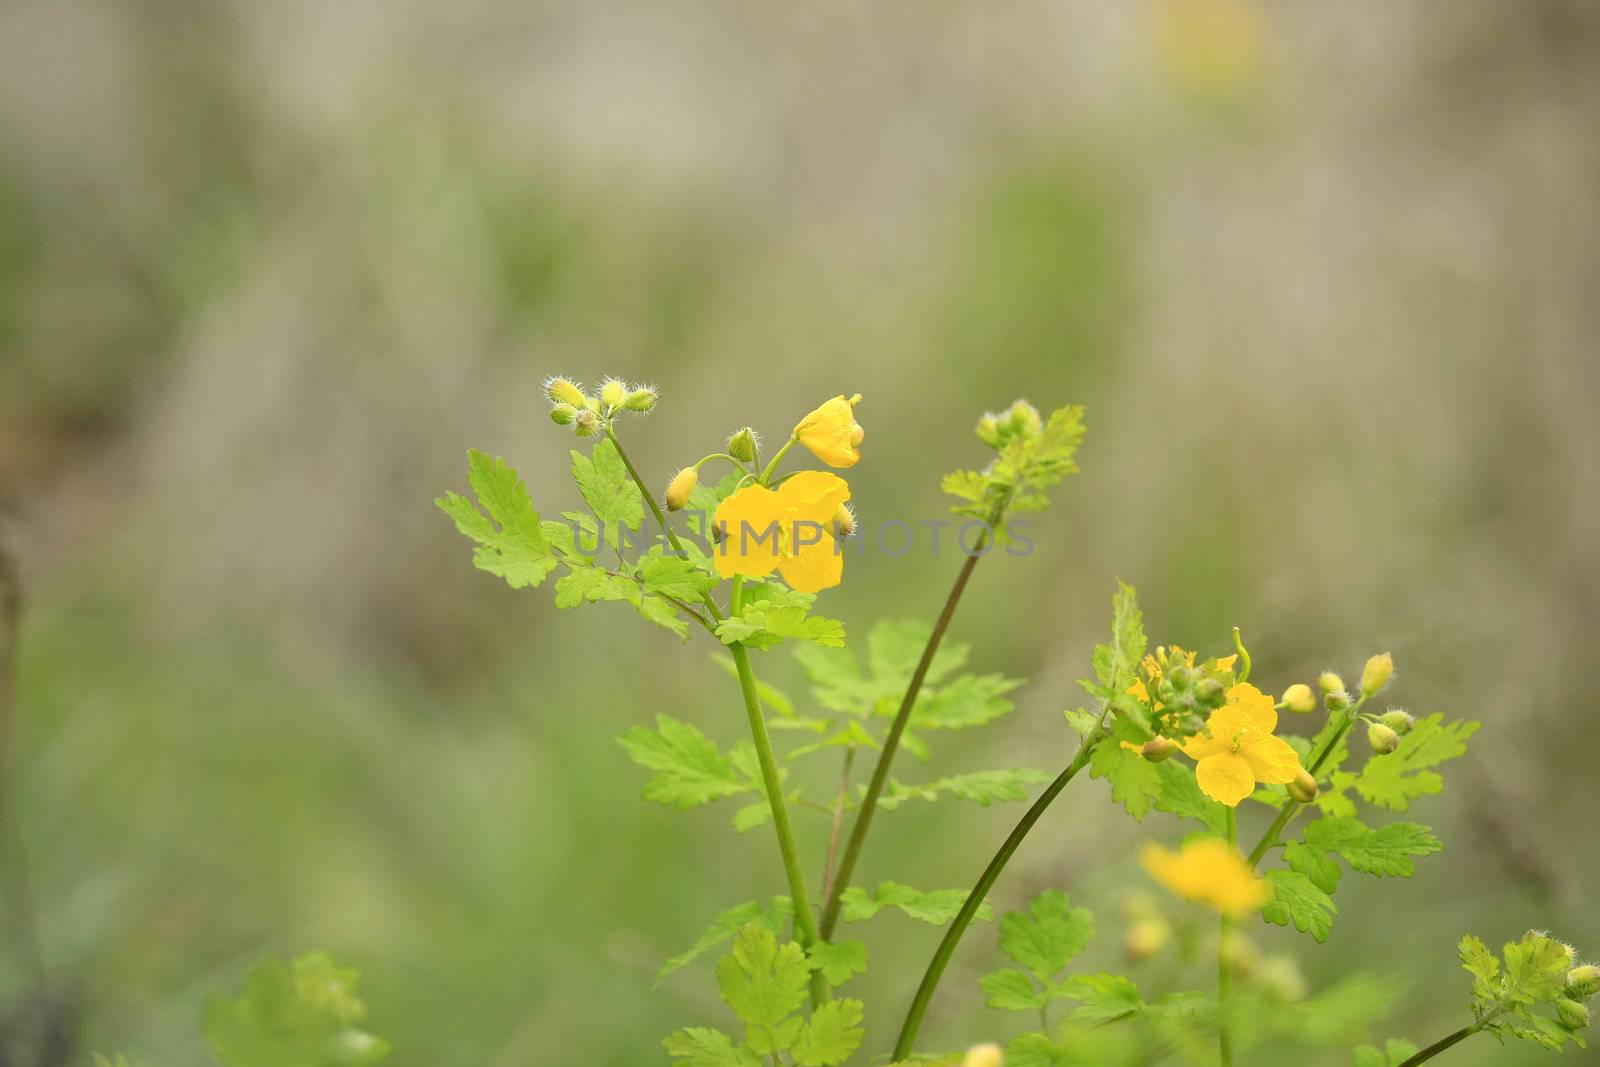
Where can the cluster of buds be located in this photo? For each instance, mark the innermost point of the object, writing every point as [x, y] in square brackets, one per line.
[1582, 983]
[586, 413]
[1181, 694]
[999, 428]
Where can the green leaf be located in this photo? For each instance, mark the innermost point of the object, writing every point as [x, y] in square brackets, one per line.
[1104, 997]
[980, 787]
[303, 1014]
[589, 584]
[690, 769]
[1536, 969]
[1296, 900]
[1314, 863]
[700, 1046]
[833, 1033]
[1395, 780]
[1011, 990]
[674, 577]
[1136, 783]
[1504, 999]
[837, 961]
[762, 625]
[774, 916]
[1046, 937]
[1038, 1050]
[1385, 852]
[511, 540]
[765, 983]
[970, 700]
[938, 906]
[1180, 795]
[1483, 965]
[1115, 662]
[1393, 1054]
[606, 486]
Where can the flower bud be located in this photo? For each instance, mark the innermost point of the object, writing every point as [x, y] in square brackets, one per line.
[1382, 739]
[585, 423]
[564, 391]
[1146, 937]
[1192, 724]
[1158, 749]
[1337, 700]
[845, 520]
[1299, 699]
[1329, 682]
[563, 414]
[613, 393]
[1583, 982]
[1024, 418]
[1304, 787]
[1211, 693]
[680, 487]
[1181, 677]
[988, 430]
[1571, 1014]
[742, 445]
[643, 398]
[1376, 674]
[984, 1056]
[1397, 720]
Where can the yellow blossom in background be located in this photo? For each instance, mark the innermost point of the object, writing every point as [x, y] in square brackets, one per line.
[983, 1056]
[788, 529]
[832, 433]
[1241, 750]
[1209, 872]
[1211, 48]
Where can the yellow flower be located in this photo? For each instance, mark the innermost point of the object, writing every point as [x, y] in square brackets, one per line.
[1241, 750]
[983, 1056]
[789, 529]
[832, 433]
[1209, 872]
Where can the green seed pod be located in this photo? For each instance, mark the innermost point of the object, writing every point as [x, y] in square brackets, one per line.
[1382, 739]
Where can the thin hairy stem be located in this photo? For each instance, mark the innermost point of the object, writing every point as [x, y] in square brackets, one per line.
[969, 908]
[1224, 974]
[840, 799]
[766, 472]
[891, 744]
[804, 921]
[661, 516]
[1291, 807]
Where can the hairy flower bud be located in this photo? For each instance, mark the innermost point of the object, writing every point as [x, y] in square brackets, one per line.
[1337, 700]
[1158, 749]
[1299, 699]
[1382, 739]
[1025, 418]
[1181, 677]
[678, 490]
[742, 445]
[845, 520]
[1583, 982]
[984, 1056]
[1571, 1014]
[613, 393]
[1376, 674]
[1398, 720]
[564, 391]
[1329, 682]
[988, 430]
[1304, 787]
[1211, 693]
[586, 423]
[643, 398]
[563, 414]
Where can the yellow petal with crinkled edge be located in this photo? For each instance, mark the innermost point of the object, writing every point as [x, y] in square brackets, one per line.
[1270, 758]
[832, 434]
[1252, 707]
[1225, 777]
[813, 496]
[813, 567]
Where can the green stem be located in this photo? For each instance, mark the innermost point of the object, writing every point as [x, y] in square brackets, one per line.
[804, 921]
[1440, 1045]
[766, 472]
[1224, 975]
[661, 516]
[1291, 807]
[969, 908]
[891, 744]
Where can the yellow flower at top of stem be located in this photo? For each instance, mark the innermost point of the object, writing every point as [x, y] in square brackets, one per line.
[1241, 749]
[790, 529]
[832, 433]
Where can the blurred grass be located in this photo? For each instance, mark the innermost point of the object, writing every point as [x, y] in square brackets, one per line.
[264, 278]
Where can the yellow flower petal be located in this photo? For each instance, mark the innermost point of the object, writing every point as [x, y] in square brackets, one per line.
[1208, 871]
[1270, 758]
[832, 434]
[1226, 662]
[813, 496]
[1225, 777]
[1253, 707]
[813, 567]
[751, 522]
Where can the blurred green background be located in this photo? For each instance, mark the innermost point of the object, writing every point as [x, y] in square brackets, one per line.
[1324, 275]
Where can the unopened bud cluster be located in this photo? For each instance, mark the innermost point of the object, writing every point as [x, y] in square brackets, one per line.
[1181, 695]
[999, 428]
[1582, 983]
[587, 413]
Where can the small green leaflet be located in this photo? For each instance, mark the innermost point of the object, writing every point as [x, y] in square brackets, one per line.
[1395, 780]
[1386, 852]
[300, 1013]
[1115, 662]
[771, 614]
[690, 769]
[766, 984]
[1025, 467]
[1504, 999]
[511, 541]
[837, 961]
[1046, 937]
[1135, 781]
[1393, 1054]
[938, 906]
[607, 487]
[1295, 899]
[774, 916]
